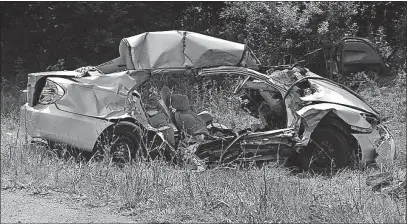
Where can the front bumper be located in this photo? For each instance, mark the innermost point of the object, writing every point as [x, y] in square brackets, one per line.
[377, 146]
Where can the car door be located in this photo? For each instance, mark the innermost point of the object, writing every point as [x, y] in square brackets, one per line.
[358, 54]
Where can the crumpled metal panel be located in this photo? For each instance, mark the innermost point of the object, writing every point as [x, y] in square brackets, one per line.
[327, 92]
[323, 91]
[182, 49]
[377, 146]
[96, 96]
[115, 65]
[205, 51]
[313, 114]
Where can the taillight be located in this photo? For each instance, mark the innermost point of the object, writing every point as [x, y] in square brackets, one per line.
[51, 93]
[25, 92]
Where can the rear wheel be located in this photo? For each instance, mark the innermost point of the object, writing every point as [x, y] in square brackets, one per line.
[122, 142]
[328, 150]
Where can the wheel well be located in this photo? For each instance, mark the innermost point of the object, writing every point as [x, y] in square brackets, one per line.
[111, 127]
[331, 119]
[149, 134]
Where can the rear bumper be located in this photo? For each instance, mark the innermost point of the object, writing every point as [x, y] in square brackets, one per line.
[50, 123]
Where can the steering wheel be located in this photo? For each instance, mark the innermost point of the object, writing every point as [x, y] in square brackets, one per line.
[239, 87]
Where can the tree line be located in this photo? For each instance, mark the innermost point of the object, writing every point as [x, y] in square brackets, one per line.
[35, 35]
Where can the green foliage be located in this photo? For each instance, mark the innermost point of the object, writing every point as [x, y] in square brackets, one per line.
[273, 29]
[37, 34]
[43, 32]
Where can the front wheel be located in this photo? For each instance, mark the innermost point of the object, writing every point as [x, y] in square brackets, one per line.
[328, 150]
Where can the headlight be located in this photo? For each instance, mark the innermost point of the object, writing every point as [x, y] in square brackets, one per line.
[51, 93]
[371, 120]
[385, 146]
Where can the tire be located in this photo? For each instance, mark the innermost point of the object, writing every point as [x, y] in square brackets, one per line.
[122, 142]
[327, 151]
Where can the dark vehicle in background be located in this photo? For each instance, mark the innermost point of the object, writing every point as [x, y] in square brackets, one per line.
[348, 56]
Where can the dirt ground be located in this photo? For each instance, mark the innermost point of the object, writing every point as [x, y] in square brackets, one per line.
[23, 206]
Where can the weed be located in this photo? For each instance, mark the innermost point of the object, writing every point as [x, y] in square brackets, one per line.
[157, 191]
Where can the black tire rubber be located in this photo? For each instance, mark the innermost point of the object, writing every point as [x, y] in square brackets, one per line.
[123, 134]
[337, 153]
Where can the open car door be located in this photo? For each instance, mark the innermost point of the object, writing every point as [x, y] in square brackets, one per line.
[347, 56]
[354, 54]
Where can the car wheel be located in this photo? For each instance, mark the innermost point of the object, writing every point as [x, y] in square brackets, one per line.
[327, 151]
[122, 142]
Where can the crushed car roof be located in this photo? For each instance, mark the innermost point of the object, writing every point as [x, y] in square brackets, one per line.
[182, 49]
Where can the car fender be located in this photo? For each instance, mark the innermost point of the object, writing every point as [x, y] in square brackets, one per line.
[312, 115]
[52, 124]
[149, 131]
[375, 146]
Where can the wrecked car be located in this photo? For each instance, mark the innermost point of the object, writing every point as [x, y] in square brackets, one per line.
[305, 120]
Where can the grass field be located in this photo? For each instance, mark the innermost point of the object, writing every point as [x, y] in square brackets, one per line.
[158, 192]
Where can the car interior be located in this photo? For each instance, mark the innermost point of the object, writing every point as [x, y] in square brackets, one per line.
[265, 104]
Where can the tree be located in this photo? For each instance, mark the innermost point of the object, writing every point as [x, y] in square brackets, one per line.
[273, 29]
[35, 35]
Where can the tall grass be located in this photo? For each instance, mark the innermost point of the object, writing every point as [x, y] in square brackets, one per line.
[157, 191]
[388, 96]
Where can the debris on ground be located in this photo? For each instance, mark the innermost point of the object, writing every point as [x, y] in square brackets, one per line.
[379, 181]
[397, 191]
[385, 183]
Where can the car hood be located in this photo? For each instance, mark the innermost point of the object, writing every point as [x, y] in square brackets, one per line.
[322, 90]
[328, 92]
[56, 74]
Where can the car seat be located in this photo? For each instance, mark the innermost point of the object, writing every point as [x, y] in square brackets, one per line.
[166, 98]
[184, 118]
